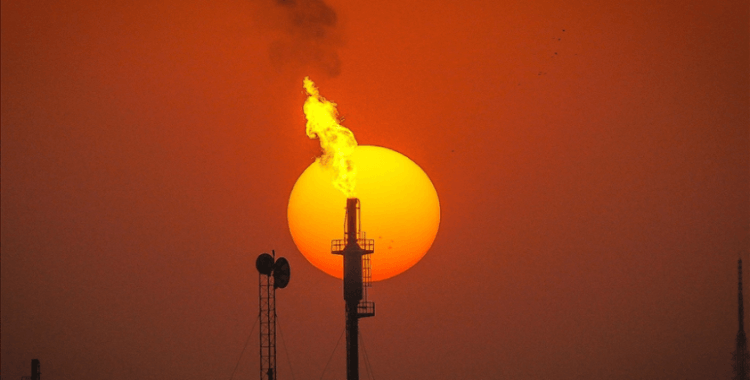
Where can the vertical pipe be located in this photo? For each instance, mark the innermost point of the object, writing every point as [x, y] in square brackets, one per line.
[352, 349]
[35, 373]
[351, 220]
[352, 288]
[352, 255]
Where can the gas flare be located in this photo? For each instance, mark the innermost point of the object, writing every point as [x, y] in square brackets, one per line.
[337, 141]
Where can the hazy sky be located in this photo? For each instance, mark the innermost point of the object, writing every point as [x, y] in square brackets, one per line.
[591, 160]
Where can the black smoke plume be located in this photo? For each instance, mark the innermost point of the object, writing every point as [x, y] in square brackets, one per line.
[309, 38]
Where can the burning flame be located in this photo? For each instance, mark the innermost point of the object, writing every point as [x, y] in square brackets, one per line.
[337, 141]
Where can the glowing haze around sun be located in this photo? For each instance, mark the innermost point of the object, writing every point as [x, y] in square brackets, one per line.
[400, 209]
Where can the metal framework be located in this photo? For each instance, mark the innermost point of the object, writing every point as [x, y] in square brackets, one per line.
[267, 310]
[356, 250]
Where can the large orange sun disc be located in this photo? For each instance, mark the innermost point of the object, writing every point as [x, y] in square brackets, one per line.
[399, 210]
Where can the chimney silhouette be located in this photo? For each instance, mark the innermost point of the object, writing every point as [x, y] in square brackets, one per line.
[356, 250]
[35, 373]
[740, 355]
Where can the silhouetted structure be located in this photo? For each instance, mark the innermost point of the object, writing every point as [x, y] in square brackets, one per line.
[36, 374]
[740, 355]
[272, 274]
[357, 278]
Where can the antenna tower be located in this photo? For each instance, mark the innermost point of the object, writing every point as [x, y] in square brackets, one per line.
[740, 356]
[356, 249]
[272, 274]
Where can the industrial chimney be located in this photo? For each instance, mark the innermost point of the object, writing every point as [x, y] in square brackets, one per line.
[357, 278]
[35, 373]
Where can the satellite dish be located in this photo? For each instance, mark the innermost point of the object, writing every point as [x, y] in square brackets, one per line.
[281, 273]
[264, 264]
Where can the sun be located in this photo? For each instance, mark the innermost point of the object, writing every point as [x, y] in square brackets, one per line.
[400, 210]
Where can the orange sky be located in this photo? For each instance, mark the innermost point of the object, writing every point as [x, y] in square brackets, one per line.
[591, 162]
